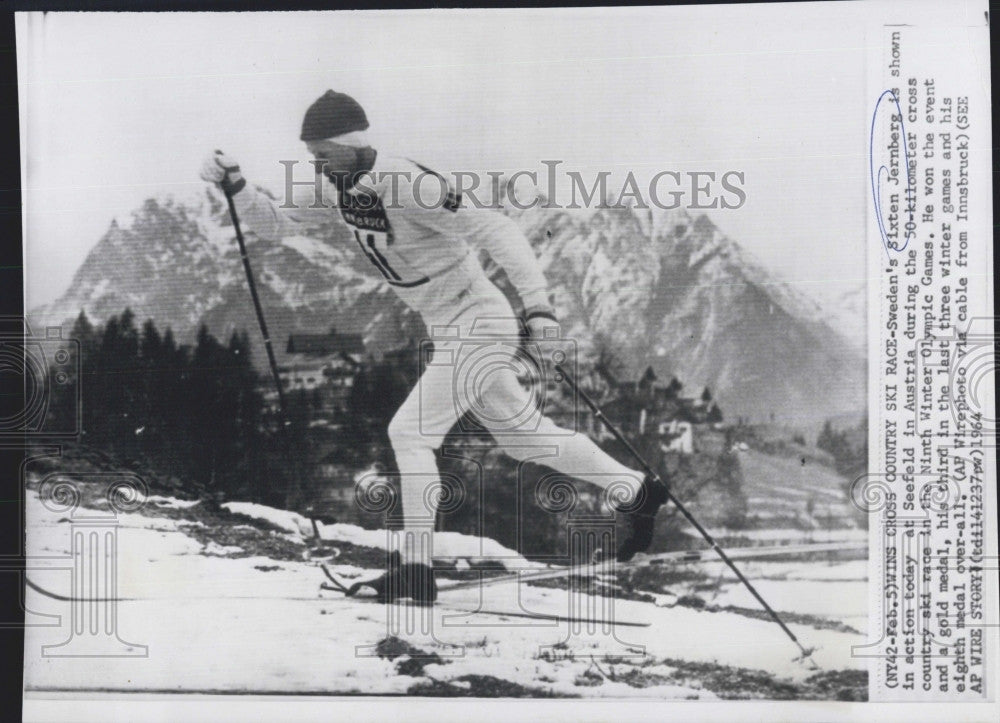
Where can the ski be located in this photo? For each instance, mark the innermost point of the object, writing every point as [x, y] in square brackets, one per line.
[341, 597]
[338, 586]
[556, 618]
[148, 598]
[591, 569]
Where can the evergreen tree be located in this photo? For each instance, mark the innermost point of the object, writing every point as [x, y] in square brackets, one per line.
[357, 408]
[827, 438]
[173, 393]
[202, 404]
[150, 407]
[117, 373]
[85, 335]
[248, 457]
[195, 414]
[66, 400]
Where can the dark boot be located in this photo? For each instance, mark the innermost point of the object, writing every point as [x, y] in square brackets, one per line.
[638, 518]
[412, 580]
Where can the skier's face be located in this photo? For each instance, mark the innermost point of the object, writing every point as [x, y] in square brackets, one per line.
[340, 159]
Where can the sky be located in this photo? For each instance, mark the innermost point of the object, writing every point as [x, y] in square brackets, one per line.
[118, 107]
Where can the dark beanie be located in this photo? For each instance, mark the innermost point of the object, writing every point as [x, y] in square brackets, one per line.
[332, 115]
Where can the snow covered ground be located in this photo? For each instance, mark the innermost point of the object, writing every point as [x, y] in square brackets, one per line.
[215, 619]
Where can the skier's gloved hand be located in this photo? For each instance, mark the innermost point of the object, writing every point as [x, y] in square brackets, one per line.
[224, 171]
[541, 322]
[542, 325]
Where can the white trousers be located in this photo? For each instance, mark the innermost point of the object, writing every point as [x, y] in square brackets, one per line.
[474, 368]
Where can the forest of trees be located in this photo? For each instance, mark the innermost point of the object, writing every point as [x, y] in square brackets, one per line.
[849, 448]
[192, 413]
[197, 414]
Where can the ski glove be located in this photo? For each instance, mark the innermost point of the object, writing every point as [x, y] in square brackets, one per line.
[223, 170]
[540, 318]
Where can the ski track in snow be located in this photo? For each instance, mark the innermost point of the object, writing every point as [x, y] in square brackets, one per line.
[200, 637]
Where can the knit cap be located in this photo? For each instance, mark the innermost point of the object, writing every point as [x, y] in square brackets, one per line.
[333, 114]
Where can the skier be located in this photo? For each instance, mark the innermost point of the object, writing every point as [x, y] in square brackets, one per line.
[422, 249]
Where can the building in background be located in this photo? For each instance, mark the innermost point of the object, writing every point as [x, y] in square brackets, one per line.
[645, 406]
[326, 363]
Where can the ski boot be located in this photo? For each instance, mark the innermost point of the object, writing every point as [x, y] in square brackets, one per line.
[638, 517]
[411, 580]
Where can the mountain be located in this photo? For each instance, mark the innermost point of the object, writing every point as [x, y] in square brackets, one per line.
[663, 289]
[175, 260]
[846, 313]
[669, 290]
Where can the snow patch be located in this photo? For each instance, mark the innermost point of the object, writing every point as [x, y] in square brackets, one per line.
[161, 501]
[99, 288]
[446, 544]
[214, 548]
[312, 249]
[288, 521]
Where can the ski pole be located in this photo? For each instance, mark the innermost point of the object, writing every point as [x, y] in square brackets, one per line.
[806, 654]
[282, 404]
[256, 305]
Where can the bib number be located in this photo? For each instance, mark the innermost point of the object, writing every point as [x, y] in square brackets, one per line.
[375, 245]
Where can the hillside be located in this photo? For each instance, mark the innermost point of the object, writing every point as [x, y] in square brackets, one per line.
[226, 600]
